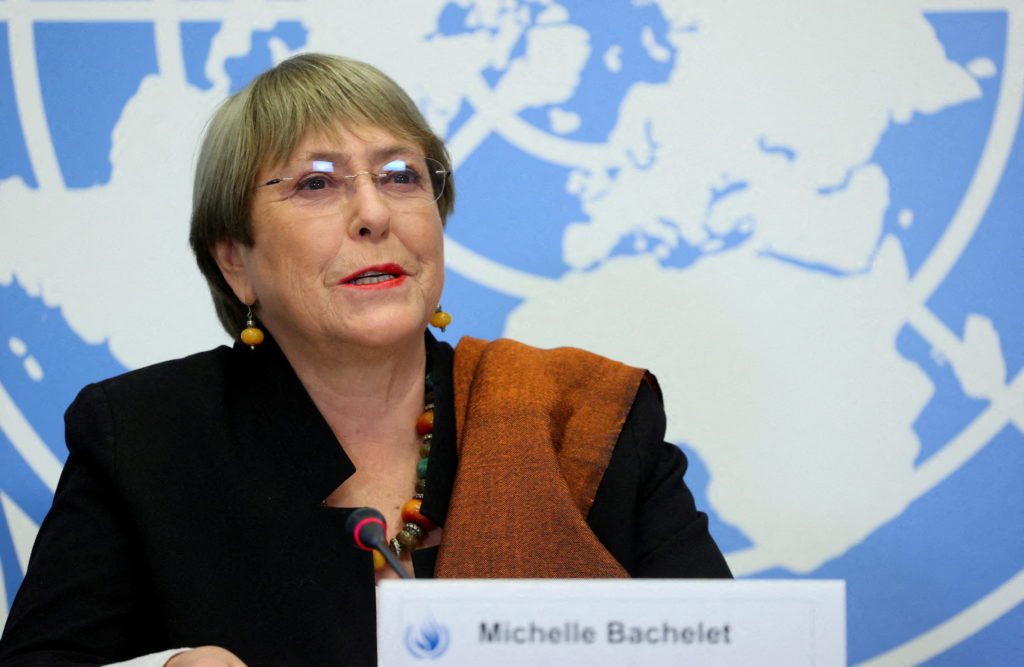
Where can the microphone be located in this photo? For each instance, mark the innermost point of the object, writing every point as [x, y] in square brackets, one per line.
[368, 530]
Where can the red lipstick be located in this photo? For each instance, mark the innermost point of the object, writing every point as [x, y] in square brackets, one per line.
[379, 276]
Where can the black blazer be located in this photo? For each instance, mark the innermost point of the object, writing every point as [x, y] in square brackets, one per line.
[190, 513]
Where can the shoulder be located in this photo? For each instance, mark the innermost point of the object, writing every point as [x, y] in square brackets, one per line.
[646, 422]
[191, 372]
[164, 393]
[565, 365]
[169, 380]
[640, 448]
[506, 347]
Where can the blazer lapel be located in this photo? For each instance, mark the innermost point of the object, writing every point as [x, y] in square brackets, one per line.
[273, 411]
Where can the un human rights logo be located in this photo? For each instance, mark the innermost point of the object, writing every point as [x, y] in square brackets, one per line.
[804, 217]
[428, 640]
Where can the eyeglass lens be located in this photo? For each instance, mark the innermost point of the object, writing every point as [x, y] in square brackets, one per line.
[406, 182]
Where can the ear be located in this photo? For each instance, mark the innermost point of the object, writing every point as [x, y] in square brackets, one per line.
[228, 254]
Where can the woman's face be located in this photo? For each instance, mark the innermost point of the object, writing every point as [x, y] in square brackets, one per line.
[359, 270]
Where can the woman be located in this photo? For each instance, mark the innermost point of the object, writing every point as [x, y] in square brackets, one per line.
[204, 500]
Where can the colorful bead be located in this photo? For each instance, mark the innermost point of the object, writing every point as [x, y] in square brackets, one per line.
[414, 529]
[409, 537]
[425, 424]
[411, 514]
[251, 336]
[440, 319]
[379, 562]
[415, 525]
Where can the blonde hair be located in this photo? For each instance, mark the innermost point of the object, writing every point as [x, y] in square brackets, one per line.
[261, 125]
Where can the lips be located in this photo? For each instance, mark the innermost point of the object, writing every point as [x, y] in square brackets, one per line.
[379, 276]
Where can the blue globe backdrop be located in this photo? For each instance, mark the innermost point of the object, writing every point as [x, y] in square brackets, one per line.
[804, 219]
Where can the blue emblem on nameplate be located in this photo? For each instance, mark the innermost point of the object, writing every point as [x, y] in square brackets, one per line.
[426, 641]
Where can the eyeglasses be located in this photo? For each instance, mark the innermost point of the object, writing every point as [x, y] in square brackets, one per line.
[404, 183]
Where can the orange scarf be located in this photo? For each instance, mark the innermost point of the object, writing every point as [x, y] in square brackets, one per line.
[536, 429]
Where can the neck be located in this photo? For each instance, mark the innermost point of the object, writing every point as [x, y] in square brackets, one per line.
[368, 395]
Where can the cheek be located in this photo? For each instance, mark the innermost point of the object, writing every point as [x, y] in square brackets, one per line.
[289, 247]
[437, 249]
[434, 258]
[279, 266]
[432, 241]
[438, 278]
[428, 246]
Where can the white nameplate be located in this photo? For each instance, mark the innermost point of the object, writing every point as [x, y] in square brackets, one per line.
[611, 622]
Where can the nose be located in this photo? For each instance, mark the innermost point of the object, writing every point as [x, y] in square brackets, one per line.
[371, 215]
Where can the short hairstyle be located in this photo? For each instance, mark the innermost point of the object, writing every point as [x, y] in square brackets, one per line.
[262, 124]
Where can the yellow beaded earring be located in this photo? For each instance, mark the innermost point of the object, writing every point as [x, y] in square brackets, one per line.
[440, 319]
[251, 334]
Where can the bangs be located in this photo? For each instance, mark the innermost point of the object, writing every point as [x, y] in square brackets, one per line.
[290, 102]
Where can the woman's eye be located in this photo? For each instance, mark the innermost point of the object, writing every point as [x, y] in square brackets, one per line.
[314, 182]
[405, 178]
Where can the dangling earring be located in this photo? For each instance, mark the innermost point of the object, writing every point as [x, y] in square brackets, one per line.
[440, 319]
[251, 334]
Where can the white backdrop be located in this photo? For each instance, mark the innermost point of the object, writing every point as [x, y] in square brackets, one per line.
[803, 215]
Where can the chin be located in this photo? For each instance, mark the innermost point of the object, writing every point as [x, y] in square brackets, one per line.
[386, 332]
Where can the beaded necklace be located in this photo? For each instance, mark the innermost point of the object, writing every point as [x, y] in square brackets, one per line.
[415, 526]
